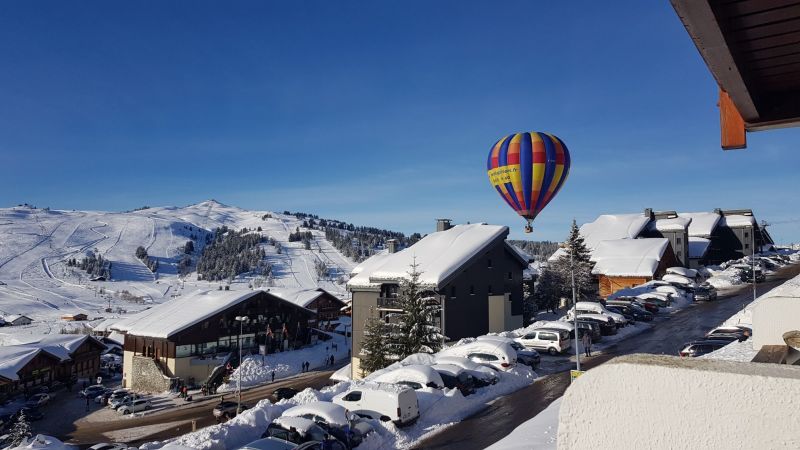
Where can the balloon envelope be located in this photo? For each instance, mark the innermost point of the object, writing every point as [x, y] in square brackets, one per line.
[528, 170]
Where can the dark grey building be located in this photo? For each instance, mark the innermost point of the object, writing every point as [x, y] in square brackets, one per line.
[474, 274]
[668, 224]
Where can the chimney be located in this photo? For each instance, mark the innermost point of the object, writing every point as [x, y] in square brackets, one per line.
[648, 212]
[442, 224]
[391, 244]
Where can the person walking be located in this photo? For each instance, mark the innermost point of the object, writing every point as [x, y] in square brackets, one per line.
[586, 340]
[332, 360]
[87, 403]
[273, 376]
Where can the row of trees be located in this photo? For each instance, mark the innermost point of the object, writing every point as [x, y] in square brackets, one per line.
[395, 336]
[93, 263]
[540, 250]
[151, 263]
[231, 253]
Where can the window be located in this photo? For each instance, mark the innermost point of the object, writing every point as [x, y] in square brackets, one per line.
[183, 351]
[490, 289]
[510, 275]
[353, 396]
[548, 337]
[471, 289]
[746, 245]
[489, 263]
[679, 241]
[452, 291]
[746, 234]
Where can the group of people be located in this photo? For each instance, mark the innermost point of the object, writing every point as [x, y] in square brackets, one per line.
[305, 366]
[329, 361]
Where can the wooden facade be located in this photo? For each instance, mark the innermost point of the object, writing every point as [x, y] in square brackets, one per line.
[608, 284]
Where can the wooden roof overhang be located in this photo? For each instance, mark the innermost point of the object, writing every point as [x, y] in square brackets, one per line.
[752, 48]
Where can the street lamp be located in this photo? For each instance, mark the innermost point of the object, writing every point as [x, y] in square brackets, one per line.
[241, 320]
[574, 310]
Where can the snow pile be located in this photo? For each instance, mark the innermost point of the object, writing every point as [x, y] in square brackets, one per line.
[43, 441]
[256, 370]
[723, 278]
[538, 433]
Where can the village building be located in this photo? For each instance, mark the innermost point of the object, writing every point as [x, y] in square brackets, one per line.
[327, 306]
[190, 339]
[624, 263]
[474, 274]
[17, 320]
[724, 235]
[63, 358]
[79, 317]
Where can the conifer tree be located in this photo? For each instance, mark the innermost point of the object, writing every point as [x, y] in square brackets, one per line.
[21, 430]
[415, 329]
[374, 353]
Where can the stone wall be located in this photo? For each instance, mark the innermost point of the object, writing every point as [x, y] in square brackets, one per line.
[660, 402]
[146, 376]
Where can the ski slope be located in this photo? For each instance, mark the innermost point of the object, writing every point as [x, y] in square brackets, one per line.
[35, 245]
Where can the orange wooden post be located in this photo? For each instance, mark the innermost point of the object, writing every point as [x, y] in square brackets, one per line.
[731, 123]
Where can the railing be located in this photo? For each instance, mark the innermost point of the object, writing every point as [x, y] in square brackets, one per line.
[389, 303]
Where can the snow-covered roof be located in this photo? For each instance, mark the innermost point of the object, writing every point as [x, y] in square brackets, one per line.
[703, 223]
[612, 227]
[300, 297]
[59, 345]
[738, 221]
[370, 263]
[438, 256]
[342, 374]
[13, 358]
[168, 318]
[629, 257]
[698, 246]
[12, 317]
[557, 254]
[331, 412]
[671, 224]
[103, 325]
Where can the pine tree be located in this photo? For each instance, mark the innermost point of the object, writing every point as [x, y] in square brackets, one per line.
[374, 349]
[414, 329]
[21, 430]
[585, 286]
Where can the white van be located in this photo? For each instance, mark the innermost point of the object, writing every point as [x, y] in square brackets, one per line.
[553, 341]
[383, 402]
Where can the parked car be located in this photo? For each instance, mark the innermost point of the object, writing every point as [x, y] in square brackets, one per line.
[93, 391]
[227, 409]
[334, 419]
[297, 430]
[660, 299]
[495, 354]
[647, 305]
[740, 331]
[381, 402]
[747, 275]
[606, 324]
[705, 293]
[527, 356]
[111, 394]
[553, 341]
[37, 400]
[483, 375]
[273, 443]
[597, 308]
[123, 400]
[455, 377]
[283, 393]
[109, 446]
[138, 405]
[634, 312]
[415, 376]
[702, 347]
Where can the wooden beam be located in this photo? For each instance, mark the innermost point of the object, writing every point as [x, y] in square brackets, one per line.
[731, 123]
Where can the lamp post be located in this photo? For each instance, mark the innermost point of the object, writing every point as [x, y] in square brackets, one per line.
[753, 257]
[241, 320]
[574, 310]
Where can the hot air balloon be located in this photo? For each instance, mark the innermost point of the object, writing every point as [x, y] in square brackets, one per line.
[528, 170]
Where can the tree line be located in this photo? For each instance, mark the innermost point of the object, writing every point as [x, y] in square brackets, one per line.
[231, 253]
[93, 264]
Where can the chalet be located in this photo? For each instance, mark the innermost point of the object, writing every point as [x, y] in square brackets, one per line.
[192, 337]
[16, 320]
[80, 317]
[327, 306]
[64, 358]
[474, 274]
[723, 235]
[623, 263]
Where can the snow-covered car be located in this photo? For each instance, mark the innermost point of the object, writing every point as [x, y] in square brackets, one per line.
[606, 323]
[702, 347]
[495, 354]
[682, 271]
[455, 377]
[678, 280]
[273, 443]
[527, 356]
[705, 293]
[597, 308]
[551, 340]
[333, 418]
[227, 409]
[381, 401]
[415, 376]
[661, 299]
[741, 333]
[36, 400]
[295, 429]
[483, 375]
[109, 446]
[135, 406]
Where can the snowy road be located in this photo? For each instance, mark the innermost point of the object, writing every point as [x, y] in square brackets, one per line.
[666, 337]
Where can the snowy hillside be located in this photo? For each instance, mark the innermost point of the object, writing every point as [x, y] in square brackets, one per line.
[36, 245]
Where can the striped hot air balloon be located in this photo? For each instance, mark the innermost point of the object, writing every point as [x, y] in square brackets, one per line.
[528, 170]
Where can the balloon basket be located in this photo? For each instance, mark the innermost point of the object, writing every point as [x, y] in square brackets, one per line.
[528, 229]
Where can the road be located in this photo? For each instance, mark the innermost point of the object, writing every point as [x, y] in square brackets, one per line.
[85, 433]
[667, 337]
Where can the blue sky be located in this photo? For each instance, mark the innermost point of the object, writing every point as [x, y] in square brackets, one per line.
[380, 113]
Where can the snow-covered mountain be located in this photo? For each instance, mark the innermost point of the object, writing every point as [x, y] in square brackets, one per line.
[35, 245]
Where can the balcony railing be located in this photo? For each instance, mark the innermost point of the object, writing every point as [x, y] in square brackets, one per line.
[389, 303]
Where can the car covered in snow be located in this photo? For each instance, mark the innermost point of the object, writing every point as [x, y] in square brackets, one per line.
[227, 409]
[606, 323]
[109, 446]
[682, 271]
[527, 356]
[333, 418]
[415, 376]
[597, 308]
[661, 299]
[296, 430]
[705, 293]
[495, 354]
[702, 347]
[273, 443]
[381, 401]
[483, 375]
[455, 377]
[551, 340]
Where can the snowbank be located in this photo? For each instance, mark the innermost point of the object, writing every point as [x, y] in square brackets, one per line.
[540, 432]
